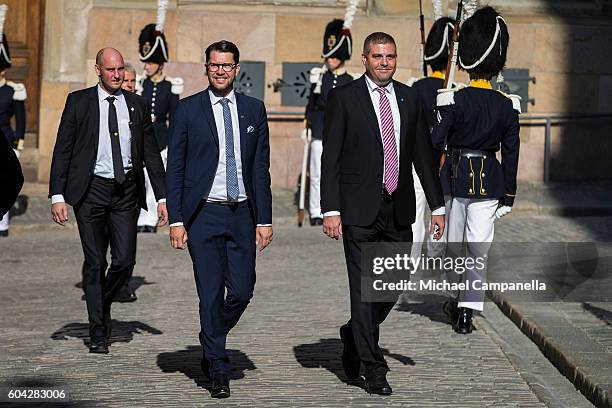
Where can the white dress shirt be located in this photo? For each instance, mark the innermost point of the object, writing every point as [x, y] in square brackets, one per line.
[395, 113]
[104, 155]
[104, 158]
[218, 191]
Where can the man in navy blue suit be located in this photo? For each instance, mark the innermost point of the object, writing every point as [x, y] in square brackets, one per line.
[219, 200]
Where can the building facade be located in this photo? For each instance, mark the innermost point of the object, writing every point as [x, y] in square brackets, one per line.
[563, 44]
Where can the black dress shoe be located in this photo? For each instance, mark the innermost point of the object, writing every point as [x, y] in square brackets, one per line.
[220, 386]
[316, 221]
[350, 359]
[378, 385]
[126, 297]
[463, 324]
[98, 346]
[451, 311]
[148, 228]
[4, 233]
[140, 228]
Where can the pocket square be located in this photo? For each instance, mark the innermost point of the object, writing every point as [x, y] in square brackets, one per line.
[250, 129]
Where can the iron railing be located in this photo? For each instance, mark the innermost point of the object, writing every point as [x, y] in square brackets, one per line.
[548, 121]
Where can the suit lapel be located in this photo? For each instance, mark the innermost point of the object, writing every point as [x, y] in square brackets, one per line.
[401, 104]
[210, 117]
[243, 124]
[94, 117]
[363, 96]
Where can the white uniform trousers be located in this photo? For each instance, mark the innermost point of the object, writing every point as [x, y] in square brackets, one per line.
[473, 219]
[418, 227]
[149, 217]
[4, 222]
[314, 202]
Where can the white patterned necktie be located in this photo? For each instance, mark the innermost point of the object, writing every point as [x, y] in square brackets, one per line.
[231, 173]
[388, 137]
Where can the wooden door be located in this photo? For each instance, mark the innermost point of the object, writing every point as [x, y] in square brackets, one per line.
[23, 27]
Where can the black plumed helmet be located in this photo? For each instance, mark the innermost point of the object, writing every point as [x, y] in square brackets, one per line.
[152, 45]
[337, 41]
[436, 47]
[477, 34]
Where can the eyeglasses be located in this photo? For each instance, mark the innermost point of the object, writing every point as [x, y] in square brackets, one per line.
[226, 67]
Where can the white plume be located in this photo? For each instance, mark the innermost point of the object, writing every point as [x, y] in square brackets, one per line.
[437, 9]
[162, 5]
[469, 8]
[351, 9]
[3, 10]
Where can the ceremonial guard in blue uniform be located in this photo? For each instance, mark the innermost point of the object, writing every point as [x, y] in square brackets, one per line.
[337, 49]
[436, 57]
[162, 92]
[474, 123]
[12, 104]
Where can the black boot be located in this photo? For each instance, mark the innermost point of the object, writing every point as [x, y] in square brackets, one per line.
[464, 324]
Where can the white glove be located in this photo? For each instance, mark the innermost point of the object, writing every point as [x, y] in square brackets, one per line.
[503, 210]
[306, 135]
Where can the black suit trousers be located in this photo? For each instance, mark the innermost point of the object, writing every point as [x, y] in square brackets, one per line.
[366, 317]
[108, 214]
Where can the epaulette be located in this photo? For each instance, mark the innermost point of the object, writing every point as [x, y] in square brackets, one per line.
[446, 97]
[20, 90]
[177, 85]
[411, 81]
[315, 74]
[139, 81]
[354, 75]
[516, 101]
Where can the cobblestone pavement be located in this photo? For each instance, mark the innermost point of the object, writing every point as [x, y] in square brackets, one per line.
[285, 350]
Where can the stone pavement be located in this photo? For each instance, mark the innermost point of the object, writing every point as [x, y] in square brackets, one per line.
[285, 350]
[286, 347]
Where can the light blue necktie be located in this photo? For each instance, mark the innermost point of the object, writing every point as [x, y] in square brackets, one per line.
[231, 174]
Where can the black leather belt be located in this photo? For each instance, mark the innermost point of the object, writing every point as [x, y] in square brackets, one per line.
[129, 176]
[470, 153]
[230, 204]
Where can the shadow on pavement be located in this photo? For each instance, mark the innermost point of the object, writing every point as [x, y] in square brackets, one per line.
[188, 362]
[427, 305]
[326, 353]
[123, 332]
[135, 283]
[602, 314]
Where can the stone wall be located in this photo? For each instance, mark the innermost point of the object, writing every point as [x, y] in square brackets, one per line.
[568, 56]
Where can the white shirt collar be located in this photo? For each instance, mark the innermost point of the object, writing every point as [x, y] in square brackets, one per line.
[102, 94]
[372, 86]
[215, 99]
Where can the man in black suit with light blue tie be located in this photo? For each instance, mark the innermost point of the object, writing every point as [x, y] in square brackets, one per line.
[219, 200]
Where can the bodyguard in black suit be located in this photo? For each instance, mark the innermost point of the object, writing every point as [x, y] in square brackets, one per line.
[374, 130]
[104, 139]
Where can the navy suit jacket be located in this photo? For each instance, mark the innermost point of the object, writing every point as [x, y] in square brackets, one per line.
[193, 156]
